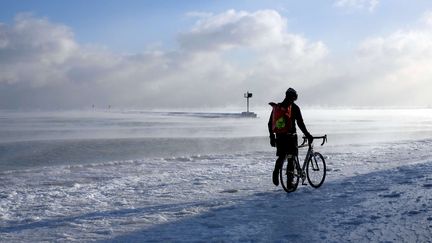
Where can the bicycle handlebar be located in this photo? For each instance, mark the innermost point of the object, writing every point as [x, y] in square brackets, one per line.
[324, 140]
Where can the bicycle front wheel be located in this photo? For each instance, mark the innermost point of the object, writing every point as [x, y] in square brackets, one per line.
[285, 176]
[316, 170]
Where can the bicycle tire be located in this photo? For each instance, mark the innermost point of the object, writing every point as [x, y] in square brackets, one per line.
[283, 175]
[316, 170]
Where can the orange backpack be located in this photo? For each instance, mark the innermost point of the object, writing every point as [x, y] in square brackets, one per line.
[281, 118]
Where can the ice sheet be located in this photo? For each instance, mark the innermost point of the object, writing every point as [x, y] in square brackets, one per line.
[123, 176]
[380, 190]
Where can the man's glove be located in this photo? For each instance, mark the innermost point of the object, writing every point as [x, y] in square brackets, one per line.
[309, 138]
[272, 140]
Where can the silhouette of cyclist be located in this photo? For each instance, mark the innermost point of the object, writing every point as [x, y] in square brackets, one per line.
[285, 139]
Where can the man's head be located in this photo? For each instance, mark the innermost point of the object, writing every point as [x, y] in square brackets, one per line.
[291, 94]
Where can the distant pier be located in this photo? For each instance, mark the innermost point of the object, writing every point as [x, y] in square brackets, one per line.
[248, 113]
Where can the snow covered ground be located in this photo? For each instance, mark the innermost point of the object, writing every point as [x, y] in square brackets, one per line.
[377, 191]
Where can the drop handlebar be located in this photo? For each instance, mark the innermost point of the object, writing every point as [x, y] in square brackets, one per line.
[305, 140]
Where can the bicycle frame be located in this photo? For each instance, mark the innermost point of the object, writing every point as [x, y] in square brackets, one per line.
[302, 170]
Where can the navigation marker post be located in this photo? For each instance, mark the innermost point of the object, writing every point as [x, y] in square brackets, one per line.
[248, 95]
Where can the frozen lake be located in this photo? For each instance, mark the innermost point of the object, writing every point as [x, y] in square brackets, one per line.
[33, 139]
[189, 176]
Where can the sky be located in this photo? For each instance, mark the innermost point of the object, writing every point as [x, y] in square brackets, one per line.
[201, 54]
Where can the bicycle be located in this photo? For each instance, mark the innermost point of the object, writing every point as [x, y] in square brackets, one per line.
[313, 168]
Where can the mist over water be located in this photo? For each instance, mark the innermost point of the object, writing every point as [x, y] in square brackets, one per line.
[352, 126]
[34, 139]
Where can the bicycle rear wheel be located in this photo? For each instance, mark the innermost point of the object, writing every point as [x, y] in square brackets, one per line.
[285, 175]
[316, 170]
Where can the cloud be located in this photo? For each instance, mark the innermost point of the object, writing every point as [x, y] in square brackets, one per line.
[219, 58]
[427, 18]
[276, 58]
[369, 5]
[31, 49]
[390, 70]
[232, 29]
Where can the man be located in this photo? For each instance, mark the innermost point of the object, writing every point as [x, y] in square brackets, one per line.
[282, 122]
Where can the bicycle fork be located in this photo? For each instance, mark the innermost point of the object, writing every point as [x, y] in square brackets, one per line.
[305, 163]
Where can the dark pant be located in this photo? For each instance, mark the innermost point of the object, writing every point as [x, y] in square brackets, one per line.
[280, 160]
[286, 145]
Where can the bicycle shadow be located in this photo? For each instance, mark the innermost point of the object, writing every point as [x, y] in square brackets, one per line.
[330, 213]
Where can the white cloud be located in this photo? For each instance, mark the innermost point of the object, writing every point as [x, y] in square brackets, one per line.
[32, 50]
[369, 5]
[427, 18]
[277, 58]
[232, 29]
[220, 57]
[390, 70]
